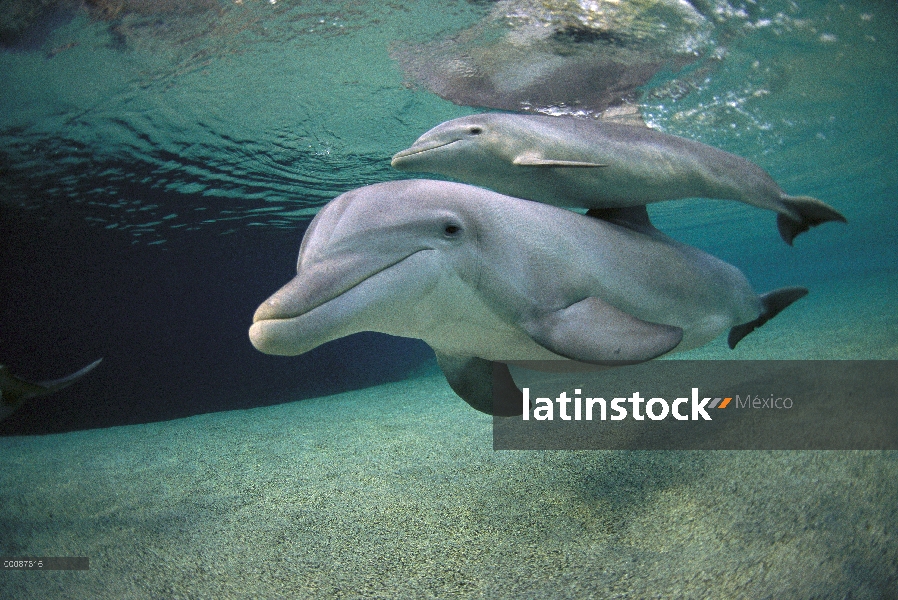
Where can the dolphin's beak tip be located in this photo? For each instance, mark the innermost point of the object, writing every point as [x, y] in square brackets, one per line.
[261, 339]
[256, 337]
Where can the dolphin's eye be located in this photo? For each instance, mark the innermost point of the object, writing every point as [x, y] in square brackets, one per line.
[451, 230]
[475, 130]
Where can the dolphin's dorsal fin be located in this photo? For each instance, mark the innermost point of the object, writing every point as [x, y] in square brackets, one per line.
[593, 331]
[533, 160]
[484, 384]
[631, 217]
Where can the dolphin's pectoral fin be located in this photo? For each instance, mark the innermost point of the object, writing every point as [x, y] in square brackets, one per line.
[593, 331]
[635, 218]
[484, 384]
[533, 160]
[772, 303]
[812, 212]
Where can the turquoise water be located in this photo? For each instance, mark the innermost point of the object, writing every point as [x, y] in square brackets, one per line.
[268, 110]
[155, 133]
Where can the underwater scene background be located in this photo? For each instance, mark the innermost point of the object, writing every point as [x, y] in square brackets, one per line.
[159, 162]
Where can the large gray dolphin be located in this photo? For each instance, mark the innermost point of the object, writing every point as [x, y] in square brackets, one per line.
[487, 279]
[583, 163]
[14, 391]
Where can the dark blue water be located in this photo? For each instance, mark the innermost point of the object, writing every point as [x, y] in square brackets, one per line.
[171, 326]
[160, 164]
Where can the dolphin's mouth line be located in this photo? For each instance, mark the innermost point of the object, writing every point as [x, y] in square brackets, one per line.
[412, 151]
[337, 294]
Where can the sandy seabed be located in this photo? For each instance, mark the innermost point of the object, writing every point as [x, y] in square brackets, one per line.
[396, 492]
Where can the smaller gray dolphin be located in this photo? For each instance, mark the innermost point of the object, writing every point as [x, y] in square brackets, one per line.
[15, 391]
[487, 279]
[581, 163]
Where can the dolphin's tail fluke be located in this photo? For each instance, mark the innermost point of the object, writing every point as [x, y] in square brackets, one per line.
[811, 212]
[58, 384]
[14, 390]
[772, 303]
